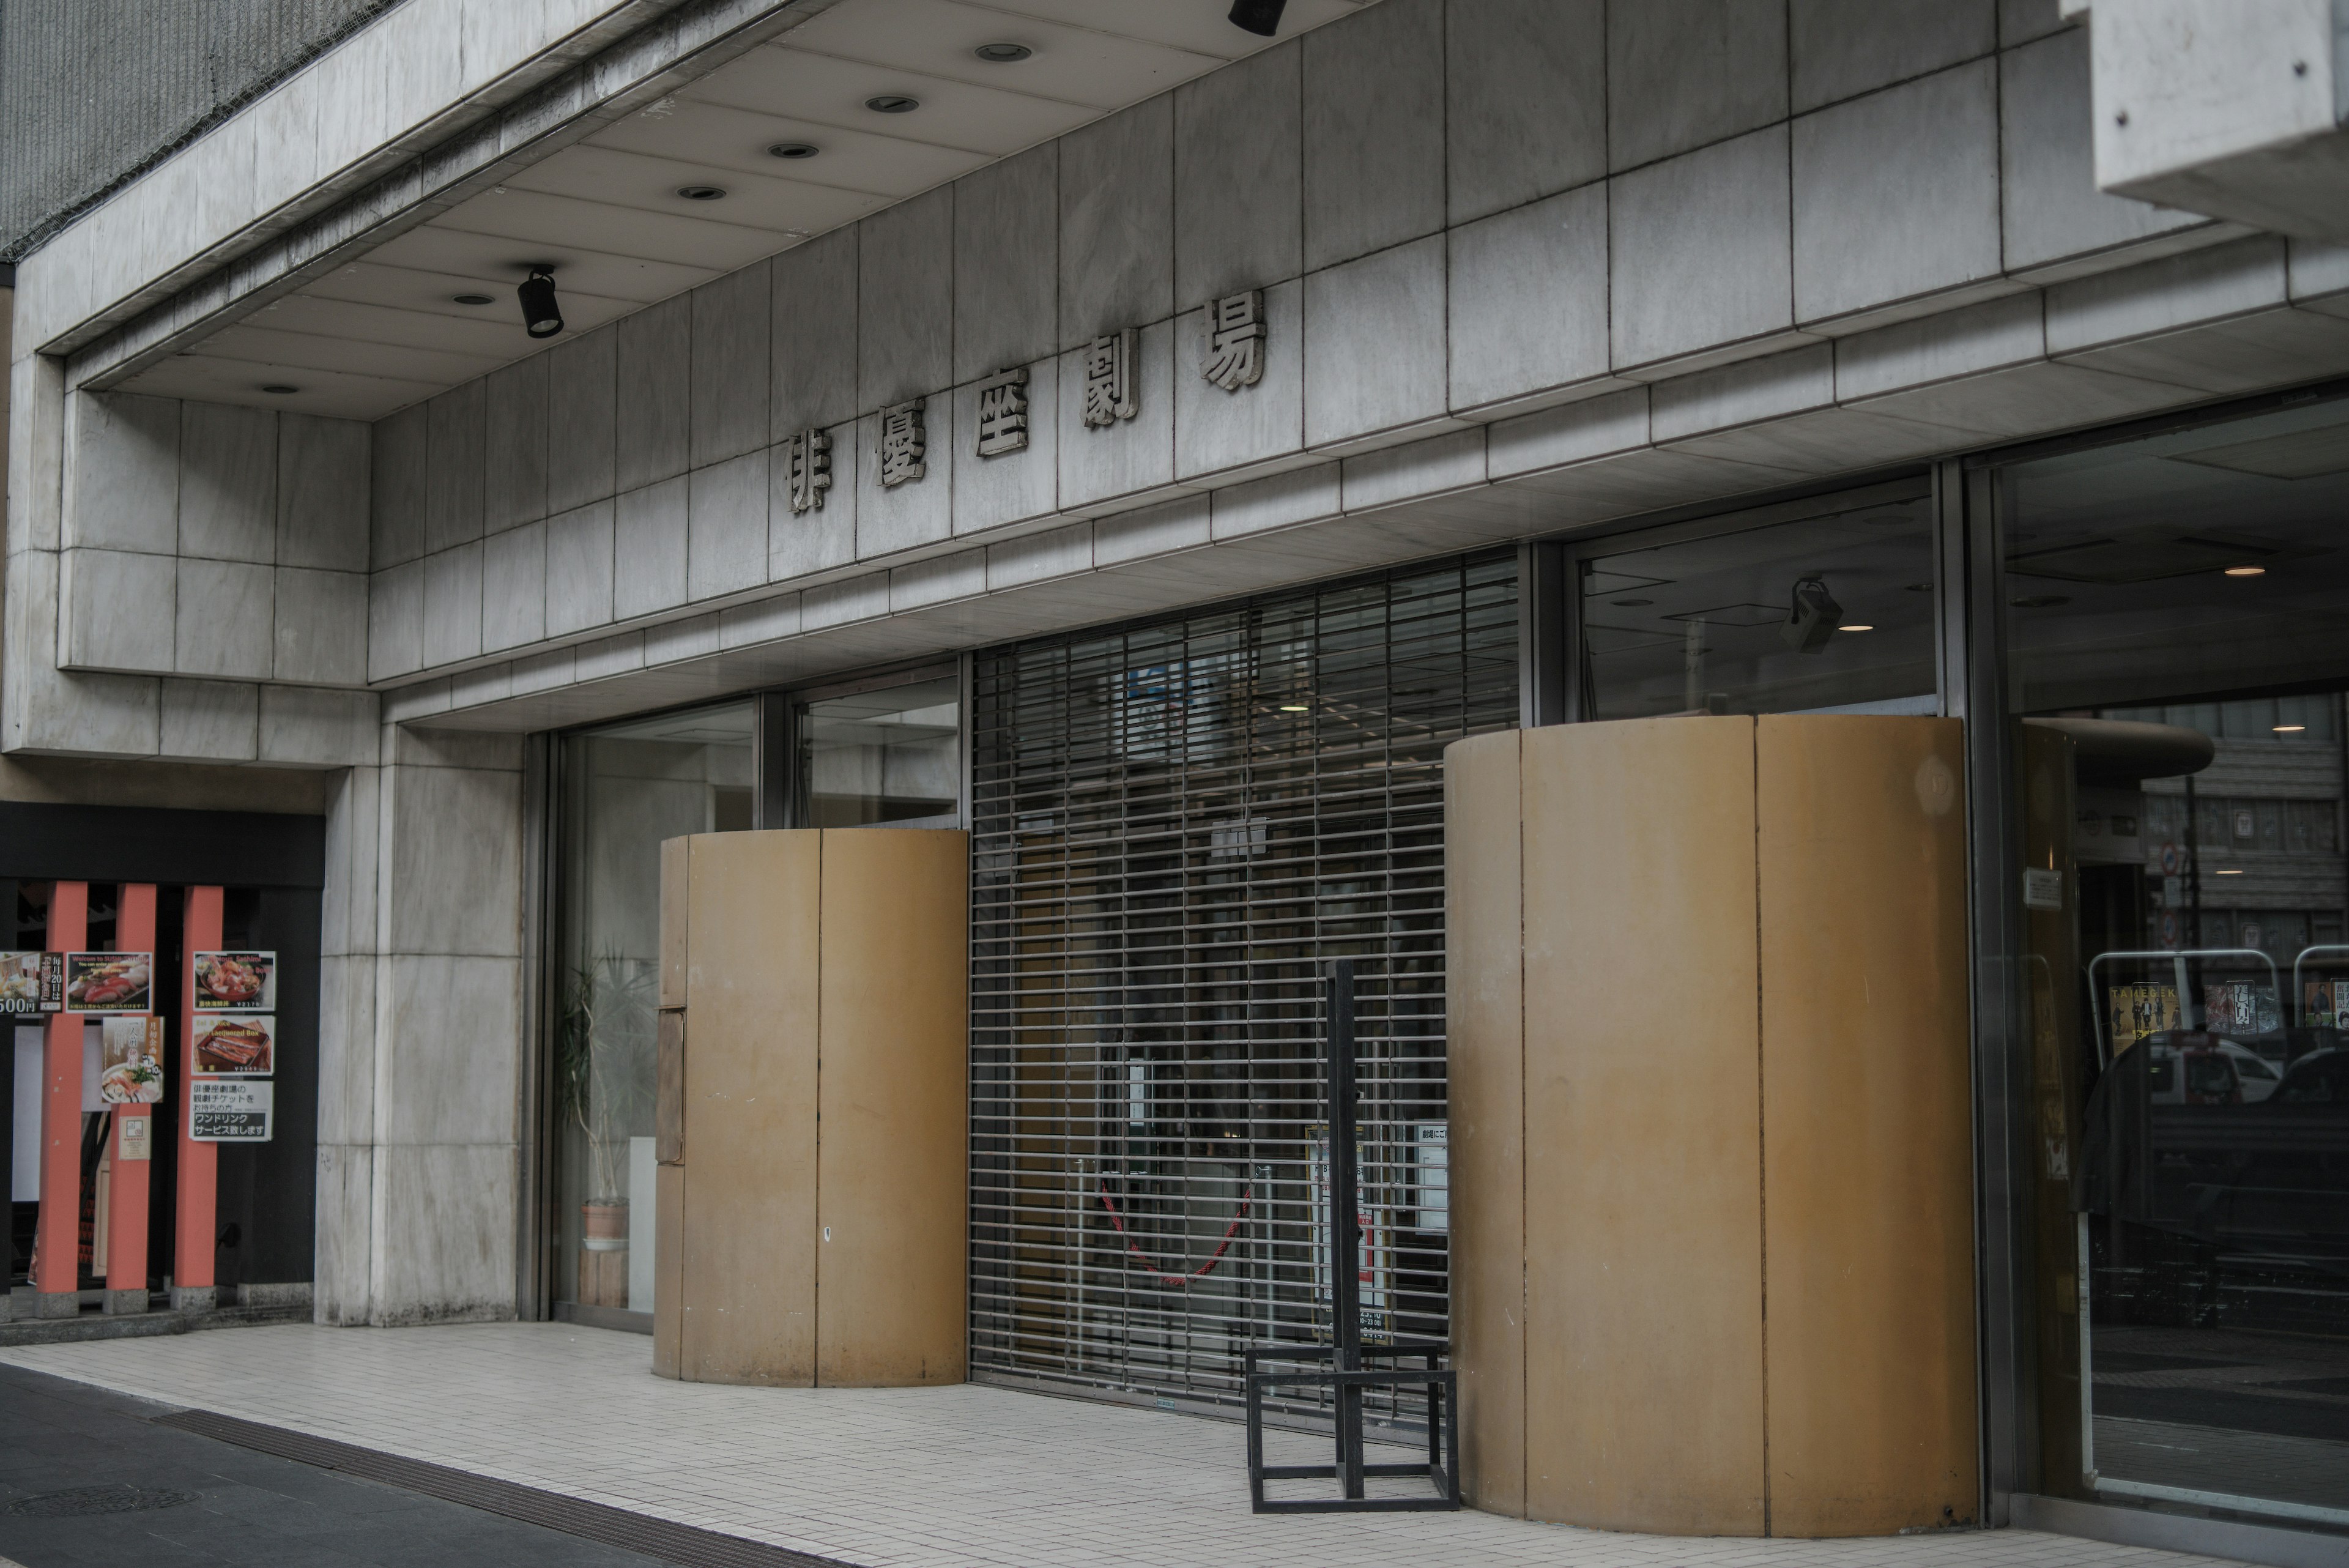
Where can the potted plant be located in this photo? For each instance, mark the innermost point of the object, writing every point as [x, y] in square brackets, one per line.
[604, 1083]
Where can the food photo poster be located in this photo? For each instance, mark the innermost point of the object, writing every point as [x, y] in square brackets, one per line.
[109, 983]
[130, 1061]
[236, 982]
[241, 1046]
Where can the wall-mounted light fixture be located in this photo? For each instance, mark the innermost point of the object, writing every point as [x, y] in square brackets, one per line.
[1814, 618]
[1261, 17]
[541, 316]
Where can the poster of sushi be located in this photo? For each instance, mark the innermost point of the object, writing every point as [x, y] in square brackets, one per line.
[109, 983]
[236, 982]
[130, 1061]
[241, 1046]
[32, 982]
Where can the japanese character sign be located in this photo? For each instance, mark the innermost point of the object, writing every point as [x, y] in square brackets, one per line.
[1236, 334]
[903, 443]
[809, 454]
[1003, 413]
[1109, 378]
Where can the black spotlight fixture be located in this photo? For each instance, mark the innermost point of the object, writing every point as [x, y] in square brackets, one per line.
[1814, 618]
[1261, 17]
[541, 316]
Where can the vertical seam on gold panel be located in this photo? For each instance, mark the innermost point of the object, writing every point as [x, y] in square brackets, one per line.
[1761, 1123]
[1525, 1159]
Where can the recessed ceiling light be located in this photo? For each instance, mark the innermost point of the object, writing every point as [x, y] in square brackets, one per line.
[794, 150]
[893, 103]
[1629, 603]
[1003, 54]
[2290, 729]
[470, 299]
[2231, 872]
[2247, 571]
[702, 192]
[1294, 708]
[1855, 625]
[280, 389]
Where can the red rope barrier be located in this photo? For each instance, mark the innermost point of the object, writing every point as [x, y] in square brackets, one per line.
[1155, 1272]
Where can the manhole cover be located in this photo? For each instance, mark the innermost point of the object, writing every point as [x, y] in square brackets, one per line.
[91, 1499]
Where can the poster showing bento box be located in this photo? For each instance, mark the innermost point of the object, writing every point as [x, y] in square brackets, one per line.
[130, 1061]
[32, 982]
[241, 1045]
[109, 983]
[236, 982]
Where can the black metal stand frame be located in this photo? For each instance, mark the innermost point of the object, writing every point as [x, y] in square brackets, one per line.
[1345, 1375]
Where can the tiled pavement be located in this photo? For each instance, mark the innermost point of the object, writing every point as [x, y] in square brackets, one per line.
[970, 1477]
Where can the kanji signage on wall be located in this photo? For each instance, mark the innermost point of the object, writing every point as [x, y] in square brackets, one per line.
[229, 1110]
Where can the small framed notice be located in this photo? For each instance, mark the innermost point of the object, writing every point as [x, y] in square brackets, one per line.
[229, 1110]
[2042, 888]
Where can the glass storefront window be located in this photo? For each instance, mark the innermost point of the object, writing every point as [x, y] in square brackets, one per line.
[626, 787]
[893, 755]
[1819, 607]
[2179, 633]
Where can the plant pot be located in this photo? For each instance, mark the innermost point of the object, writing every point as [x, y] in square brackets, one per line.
[604, 1254]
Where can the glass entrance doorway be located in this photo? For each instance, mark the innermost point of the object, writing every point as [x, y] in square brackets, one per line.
[2179, 632]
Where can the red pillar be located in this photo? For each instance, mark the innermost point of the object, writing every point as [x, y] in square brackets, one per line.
[58, 1273]
[125, 1207]
[199, 1179]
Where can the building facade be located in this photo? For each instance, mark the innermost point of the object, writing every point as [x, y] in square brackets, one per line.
[1147, 446]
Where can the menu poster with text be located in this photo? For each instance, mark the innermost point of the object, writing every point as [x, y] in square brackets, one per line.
[32, 982]
[241, 1045]
[109, 983]
[236, 982]
[229, 1110]
[130, 1061]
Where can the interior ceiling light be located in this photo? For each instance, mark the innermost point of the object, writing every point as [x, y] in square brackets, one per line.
[1261, 17]
[2231, 872]
[702, 192]
[280, 389]
[2290, 729]
[2247, 571]
[1855, 625]
[1003, 54]
[1294, 708]
[793, 149]
[541, 315]
[470, 299]
[893, 103]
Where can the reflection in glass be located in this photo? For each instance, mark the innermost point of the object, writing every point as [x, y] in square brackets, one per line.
[2178, 635]
[626, 787]
[890, 755]
[1824, 606]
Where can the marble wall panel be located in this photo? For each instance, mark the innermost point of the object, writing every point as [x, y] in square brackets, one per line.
[1006, 263]
[1373, 131]
[726, 526]
[224, 618]
[1216, 431]
[1375, 343]
[513, 587]
[1895, 194]
[513, 487]
[317, 727]
[452, 605]
[581, 441]
[119, 609]
[455, 431]
[652, 363]
[1117, 223]
[822, 537]
[1528, 295]
[209, 720]
[1240, 177]
[400, 447]
[444, 1245]
[125, 477]
[395, 621]
[1699, 249]
[1100, 464]
[322, 492]
[1526, 113]
[228, 483]
[452, 1021]
[920, 512]
[992, 490]
[579, 569]
[815, 316]
[319, 627]
[732, 364]
[1682, 73]
[2050, 202]
[1841, 48]
[453, 884]
[648, 539]
[905, 319]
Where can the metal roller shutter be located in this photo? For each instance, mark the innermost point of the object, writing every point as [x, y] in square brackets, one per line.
[1173, 824]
